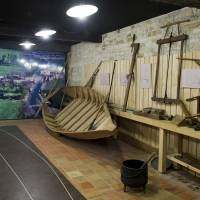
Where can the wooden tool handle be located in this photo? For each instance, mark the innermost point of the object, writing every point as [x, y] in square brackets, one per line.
[148, 160]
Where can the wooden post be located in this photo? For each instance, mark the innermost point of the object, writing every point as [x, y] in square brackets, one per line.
[180, 144]
[162, 151]
[157, 71]
[91, 80]
[180, 70]
[130, 76]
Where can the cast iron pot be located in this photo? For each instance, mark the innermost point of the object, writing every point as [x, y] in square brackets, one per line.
[133, 174]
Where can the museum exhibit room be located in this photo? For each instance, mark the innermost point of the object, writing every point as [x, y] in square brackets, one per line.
[100, 100]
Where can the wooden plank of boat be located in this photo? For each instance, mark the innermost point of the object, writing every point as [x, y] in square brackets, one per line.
[69, 110]
[50, 119]
[82, 113]
[52, 127]
[66, 108]
[76, 126]
[74, 113]
[52, 124]
[97, 123]
[99, 120]
[87, 122]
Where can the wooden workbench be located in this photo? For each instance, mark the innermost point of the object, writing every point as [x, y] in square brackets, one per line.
[163, 127]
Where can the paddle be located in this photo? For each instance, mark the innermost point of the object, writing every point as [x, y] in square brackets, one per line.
[105, 100]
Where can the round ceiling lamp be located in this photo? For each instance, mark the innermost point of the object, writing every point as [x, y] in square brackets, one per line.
[45, 33]
[27, 44]
[82, 11]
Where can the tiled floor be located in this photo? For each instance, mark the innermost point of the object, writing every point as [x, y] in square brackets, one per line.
[93, 167]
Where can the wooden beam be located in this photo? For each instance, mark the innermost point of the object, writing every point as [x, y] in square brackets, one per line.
[175, 23]
[131, 71]
[163, 124]
[162, 151]
[173, 39]
[183, 163]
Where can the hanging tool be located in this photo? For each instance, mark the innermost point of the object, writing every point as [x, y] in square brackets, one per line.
[153, 113]
[175, 23]
[106, 100]
[172, 39]
[168, 61]
[192, 120]
[180, 38]
[135, 49]
[198, 102]
[197, 61]
[148, 160]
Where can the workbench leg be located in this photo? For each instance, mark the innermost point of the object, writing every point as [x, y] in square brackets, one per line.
[162, 151]
[180, 144]
[179, 150]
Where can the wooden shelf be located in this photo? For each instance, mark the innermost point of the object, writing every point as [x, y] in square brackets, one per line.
[161, 124]
[185, 161]
[164, 126]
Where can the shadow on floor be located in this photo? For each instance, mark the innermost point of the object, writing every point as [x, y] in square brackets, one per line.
[106, 149]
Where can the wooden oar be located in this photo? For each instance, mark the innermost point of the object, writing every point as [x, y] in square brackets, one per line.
[106, 98]
[91, 80]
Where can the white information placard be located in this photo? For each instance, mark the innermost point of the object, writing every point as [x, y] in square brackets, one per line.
[190, 78]
[105, 79]
[123, 79]
[145, 75]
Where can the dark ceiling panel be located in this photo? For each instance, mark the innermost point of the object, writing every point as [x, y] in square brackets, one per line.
[188, 3]
[32, 15]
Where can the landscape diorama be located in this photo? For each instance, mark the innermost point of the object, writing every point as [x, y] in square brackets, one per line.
[26, 77]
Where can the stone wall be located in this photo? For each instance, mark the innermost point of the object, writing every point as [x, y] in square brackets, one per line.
[116, 44]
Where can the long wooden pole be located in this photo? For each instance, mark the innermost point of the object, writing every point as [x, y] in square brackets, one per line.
[180, 70]
[91, 80]
[131, 71]
[106, 98]
[157, 72]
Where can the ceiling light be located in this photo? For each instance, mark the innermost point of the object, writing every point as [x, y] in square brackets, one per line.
[46, 33]
[82, 11]
[27, 44]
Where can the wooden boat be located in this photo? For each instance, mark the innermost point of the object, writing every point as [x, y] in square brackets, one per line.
[86, 116]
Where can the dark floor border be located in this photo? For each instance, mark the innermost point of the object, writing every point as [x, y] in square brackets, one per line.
[14, 130]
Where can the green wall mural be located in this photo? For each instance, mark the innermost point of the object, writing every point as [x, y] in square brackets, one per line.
[25, 78]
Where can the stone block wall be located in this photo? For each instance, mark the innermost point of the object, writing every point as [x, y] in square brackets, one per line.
[116, 45]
